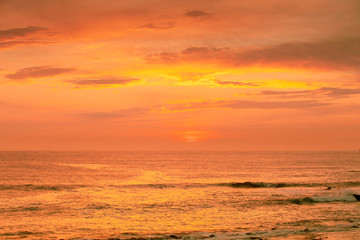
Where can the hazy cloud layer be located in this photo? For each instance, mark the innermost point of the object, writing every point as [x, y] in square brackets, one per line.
[242, 104]
[120, 114]
[38, 72]
[263, 19]
[206, 104]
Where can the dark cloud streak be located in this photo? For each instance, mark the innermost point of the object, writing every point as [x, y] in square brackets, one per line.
[236, 83]
[320, 92]
[157, 26]
[103, 81]
[197, 14]
[23, 36]
[38, 72]
[20, 32]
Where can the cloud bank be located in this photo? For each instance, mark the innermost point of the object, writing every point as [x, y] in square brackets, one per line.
[328, 54]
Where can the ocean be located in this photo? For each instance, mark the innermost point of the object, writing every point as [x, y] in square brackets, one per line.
[179, 195]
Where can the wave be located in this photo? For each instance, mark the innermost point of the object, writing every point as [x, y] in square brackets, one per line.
[21, 233]
[151, 185]
[33, 187]
[203, 185]
[326, 186]
[256, 185]
[347, 196]
[247, 184]
[21, 209]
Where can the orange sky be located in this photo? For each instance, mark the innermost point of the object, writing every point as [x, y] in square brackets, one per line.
[179, 75]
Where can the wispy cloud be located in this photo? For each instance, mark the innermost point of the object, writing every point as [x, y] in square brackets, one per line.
[341, 92]
[20, 32]
[275, 105]
[114, 115]
[320, 92]
[22, 36]
[102, 81]
[38, 72]
[197, 14]
[242, 104]
[198, 105]
[157, 26]
[238, 84]
[191, 54]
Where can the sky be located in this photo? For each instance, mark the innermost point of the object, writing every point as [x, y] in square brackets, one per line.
[179, 75]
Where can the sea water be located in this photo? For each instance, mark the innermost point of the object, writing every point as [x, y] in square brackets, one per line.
[190, 195]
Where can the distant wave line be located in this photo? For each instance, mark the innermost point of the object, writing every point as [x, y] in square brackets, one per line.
[247, 184]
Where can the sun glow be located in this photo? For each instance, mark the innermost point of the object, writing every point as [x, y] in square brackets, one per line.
[193, 136]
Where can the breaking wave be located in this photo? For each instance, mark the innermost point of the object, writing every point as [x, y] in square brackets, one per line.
[346, 196]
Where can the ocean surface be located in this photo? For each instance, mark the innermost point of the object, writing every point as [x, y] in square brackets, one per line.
[187, 195]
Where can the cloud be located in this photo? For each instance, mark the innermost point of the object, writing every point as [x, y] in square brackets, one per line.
[241, 104]
[339, 53]
[191, 54]
[201, 51]
[287, 94]
[22, 36]
[157, 26]
[102, 81]
[38, 72]
[205, 104]
[120, 114]
[9, 44]
[20, 32]
[239, 84]
[235, 20]
[325, 91]
[197, 14]
[328, 54]
[164, 57]
[341, 92]
[275, 105]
